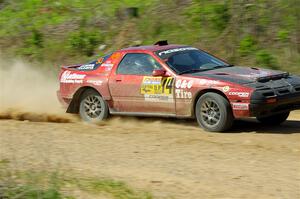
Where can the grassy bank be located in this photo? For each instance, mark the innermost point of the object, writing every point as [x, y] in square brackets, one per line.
[264, 33]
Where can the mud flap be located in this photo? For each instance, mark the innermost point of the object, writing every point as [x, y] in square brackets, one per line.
[74, 104]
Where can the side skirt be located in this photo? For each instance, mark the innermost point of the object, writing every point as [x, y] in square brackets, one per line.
[144, 114]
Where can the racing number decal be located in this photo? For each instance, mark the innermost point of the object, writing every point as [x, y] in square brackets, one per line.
[157, 85]
[167, 85]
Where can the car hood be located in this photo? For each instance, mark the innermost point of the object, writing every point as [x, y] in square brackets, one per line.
[242, 75]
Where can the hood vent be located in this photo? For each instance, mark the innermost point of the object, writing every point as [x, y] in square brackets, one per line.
[221, 74]
[273, 77]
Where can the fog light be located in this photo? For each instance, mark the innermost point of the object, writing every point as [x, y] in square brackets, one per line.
[271, 100]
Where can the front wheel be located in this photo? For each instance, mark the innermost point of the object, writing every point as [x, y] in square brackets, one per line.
[214, 113]
[93, 108]
[276, 119]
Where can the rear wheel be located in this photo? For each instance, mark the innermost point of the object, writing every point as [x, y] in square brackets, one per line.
[92, 107]
[276, 119]
[213, 112]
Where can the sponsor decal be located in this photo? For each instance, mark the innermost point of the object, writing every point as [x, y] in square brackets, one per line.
[109, 65]
[181, 86]
[95, 82]
[158, 98]
[100, 60]
[157, 89]
[152, 81]
[87, 67]
[208, 82]
[184, 84]
[226, 89]
[240, 94]
[72, 78]
[182, 94]
[176, 50]
[240, 106]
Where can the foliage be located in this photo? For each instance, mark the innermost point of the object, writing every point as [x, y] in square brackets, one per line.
[283, 35]
[266, 59]
[234, 30]
[215, 16]
[84, 42]
[247, 45]
[218, 15]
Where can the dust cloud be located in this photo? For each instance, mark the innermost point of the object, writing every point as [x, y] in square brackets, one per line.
[28, 92]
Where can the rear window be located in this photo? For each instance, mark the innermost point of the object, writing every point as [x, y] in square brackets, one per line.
[137, 64]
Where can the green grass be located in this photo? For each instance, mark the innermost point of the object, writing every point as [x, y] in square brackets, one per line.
[115, 189]
[54, 185]
[4, 162]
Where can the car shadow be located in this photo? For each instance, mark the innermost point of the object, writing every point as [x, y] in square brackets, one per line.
[253, 126]
[250, 125]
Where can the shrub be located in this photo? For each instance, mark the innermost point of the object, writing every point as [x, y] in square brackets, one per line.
[247, 45]
[206, 14]
[220, 16]
[283, 35]
[84, 42]
[266, 59]
[36, 39]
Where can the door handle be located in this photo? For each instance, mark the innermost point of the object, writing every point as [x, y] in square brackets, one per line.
[118, 79]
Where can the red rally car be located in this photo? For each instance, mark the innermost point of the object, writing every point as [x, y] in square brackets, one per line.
[177, 81]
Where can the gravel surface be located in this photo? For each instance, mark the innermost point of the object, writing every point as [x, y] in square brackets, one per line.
[170, 158]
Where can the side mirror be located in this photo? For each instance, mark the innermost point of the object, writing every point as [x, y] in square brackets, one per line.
[158, 72]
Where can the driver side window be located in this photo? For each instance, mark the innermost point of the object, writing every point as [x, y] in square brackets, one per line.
[138, 64]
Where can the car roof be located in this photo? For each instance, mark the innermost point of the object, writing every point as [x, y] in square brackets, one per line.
[152, 48]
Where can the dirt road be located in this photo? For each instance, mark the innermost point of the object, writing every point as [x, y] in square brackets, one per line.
[170, 158]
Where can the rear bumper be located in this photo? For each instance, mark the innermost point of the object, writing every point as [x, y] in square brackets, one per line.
[61, 99]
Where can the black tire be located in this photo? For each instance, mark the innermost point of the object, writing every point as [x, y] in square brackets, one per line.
[276, 119]
[93, 108]
[214, 113]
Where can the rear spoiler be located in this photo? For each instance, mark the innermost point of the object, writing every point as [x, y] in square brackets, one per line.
[162, 43]
[71, 66]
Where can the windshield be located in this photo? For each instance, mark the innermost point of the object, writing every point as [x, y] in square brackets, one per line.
[189, 59]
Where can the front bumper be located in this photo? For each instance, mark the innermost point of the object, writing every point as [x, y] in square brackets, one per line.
[280, 105]
[275, 97]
